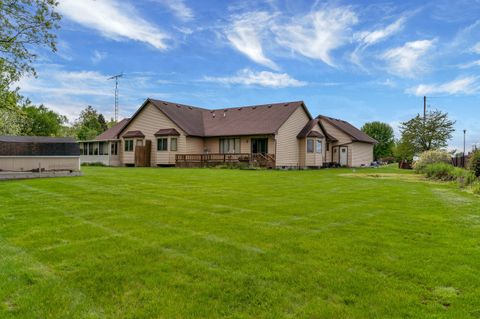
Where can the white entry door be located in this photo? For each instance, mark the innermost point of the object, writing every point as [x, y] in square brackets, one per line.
[343, 155]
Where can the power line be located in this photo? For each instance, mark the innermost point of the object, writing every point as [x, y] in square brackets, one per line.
[116, 77]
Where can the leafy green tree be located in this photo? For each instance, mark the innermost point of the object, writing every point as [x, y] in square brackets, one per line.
[383, 133]
[11, 122]
[403, 150]
[90, 124]
[40, 121]
[25, 24]
[431, 133]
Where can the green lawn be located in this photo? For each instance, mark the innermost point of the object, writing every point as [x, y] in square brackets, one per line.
[196, 243]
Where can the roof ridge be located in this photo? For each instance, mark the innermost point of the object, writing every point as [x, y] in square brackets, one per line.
[257, 105]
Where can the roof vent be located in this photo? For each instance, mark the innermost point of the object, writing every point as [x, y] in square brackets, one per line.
[191, 108]
[213, 114]
[269, 106]
[165, 103]
[178, 105]
[286, 104]
[224, 114]
[253, 108]
[240, 108]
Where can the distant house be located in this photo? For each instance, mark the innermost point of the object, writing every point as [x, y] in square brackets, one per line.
[38, 154]
[348, 145]
[280, 135]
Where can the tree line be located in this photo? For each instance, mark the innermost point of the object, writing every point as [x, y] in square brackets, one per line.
[419, 134]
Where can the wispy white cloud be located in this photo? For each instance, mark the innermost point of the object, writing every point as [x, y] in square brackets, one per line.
[115, 20]
[179, 9]
[469, 65]
[262, 78]
[476, 48]
[98, 56]
[463, 85]
[318, 33]
[68, 92]
[246, 33]
[408, 60]
[371, 37]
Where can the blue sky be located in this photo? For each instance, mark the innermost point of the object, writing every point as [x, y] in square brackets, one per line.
[356, 60]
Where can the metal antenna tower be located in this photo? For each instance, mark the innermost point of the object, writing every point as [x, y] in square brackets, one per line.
[116, 77]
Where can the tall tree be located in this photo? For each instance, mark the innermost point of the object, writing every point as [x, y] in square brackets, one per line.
[24, 26]
[89, 124]
[433, 132]
[40, 121]
[383, 133]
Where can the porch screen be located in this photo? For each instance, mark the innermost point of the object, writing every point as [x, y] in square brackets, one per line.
[229, 145]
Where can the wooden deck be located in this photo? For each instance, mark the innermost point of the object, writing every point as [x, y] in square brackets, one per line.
[215, 159]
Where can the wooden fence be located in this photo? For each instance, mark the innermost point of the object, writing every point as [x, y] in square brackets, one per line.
[460, 161]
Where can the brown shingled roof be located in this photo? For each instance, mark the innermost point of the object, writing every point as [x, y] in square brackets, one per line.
[112, 133]
[349, 129]
[234, 121]
[167, 132]
[249, 120]
[133, 134]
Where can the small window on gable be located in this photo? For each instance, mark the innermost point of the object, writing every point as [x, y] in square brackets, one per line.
[162, 144]
[310, 145]
[173, 144]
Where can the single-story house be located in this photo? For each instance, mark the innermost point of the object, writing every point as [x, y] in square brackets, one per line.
[280, 135]
[38, 154]
[349, 146]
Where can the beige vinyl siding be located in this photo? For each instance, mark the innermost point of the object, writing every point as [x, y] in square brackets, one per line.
[27, 163]
[362, 154]
[195, 145]
[302, 152]
[288, 145]
[342, 137]
[149, 121]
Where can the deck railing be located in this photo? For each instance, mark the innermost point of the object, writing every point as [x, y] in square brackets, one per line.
[213, 159]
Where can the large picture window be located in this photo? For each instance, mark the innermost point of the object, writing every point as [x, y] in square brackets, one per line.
[128, 145]
[319, 146]
[173, 144]
[162, 144]
[229, 145]
[310, 145]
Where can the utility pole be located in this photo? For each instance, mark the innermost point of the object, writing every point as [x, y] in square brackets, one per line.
[464, 135]
[424, 109]
[116, 77]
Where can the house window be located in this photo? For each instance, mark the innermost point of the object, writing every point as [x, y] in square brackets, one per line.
[310, 145]
[128, 145]
[173, 144]
[90, 148]
[114, 148]
[319, 146]
[101, 149]
[162, 144]
[229, 145]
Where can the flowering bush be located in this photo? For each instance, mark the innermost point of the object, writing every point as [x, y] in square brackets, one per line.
[431, 157]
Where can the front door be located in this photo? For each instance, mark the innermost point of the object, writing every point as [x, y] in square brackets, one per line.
[259, 145]
[343, 155]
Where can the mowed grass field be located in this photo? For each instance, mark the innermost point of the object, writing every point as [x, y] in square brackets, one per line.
[209, 243]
